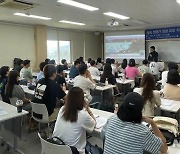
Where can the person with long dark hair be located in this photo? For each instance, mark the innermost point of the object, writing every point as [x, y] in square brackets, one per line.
[3, 81]
[131, 70]
[73, 121]
[150, 96]
[123, 66]
[13, 89]
[124, 133]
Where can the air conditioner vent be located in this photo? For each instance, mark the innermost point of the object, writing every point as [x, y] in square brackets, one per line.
[17, 4]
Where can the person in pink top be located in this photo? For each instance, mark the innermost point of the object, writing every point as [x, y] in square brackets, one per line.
[131, 70]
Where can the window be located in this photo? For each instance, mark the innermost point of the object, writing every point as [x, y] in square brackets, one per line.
[59, 50]
[65, 50]
[52, 50]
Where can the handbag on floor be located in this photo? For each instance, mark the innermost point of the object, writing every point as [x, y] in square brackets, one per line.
[58, 141]
[90, 149]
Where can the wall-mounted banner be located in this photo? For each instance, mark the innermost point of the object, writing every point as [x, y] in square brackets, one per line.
[163, 33]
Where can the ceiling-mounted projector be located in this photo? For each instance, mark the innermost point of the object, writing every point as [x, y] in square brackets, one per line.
[113, 22]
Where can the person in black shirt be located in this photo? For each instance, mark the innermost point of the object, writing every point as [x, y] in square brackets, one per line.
[60, 77]
[48, 92]
[153, 55]
[64, 64]
[107, 75]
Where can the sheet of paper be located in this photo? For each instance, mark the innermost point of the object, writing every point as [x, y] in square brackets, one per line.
[166, 102]
[100, 122]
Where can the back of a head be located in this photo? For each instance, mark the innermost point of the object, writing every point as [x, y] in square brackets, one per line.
[131, 108]
[82, 69]
[107, 71]
[92, 62]
[47, 60]
[108, 60]
[124, 63]
[76, 62]
[3, 71]
[172, 65]
[99, 60]
[173, 77]
[145, 62]
[81, 59]
[20, 61]
[26, 62]
[63, 61]
[59, 69]
[41, 65]
[132, 63]
[89, 60]
[148, 84]
[52, 62]
[74, 103]
[112, 61]
[49, 71]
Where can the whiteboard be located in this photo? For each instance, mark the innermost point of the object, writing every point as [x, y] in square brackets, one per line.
[169, 50]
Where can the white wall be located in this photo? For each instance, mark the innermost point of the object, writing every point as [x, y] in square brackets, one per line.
[82, 43]
[16, 41]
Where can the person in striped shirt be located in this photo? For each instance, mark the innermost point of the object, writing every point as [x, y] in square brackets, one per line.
[124, 133]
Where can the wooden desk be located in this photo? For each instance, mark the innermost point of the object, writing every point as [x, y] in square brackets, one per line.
[12, 117]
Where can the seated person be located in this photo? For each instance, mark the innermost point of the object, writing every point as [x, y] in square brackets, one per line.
[131, 70]
[171, 90]
[40, 75]
[99, 64]
[53, 62]
[114, 68]
[171, 66]
[73, 121]
[88, 62]
[93, 69]
[60, 77]
[85, 81]
[150, 96]
[48, 92]
[155, 68]
[18, 66]
[123, 66]
[107, 75]
[144, 67]
[3, 81]
[64, 64]
[14, 90]
[47, 60]
[124, 133]
[74, 70]
[26, 71]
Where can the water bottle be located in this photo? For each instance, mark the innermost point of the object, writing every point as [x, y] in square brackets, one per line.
[106, 82]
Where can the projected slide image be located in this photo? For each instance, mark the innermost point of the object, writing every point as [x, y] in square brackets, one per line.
[129, 46]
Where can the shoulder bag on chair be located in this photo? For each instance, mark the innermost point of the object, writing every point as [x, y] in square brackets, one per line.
[58, 141]
[168, 127]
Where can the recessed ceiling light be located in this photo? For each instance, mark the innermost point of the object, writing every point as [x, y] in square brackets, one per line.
[79, 5]
[178, 1]
[72, 22]
[31, 16]
[111, 14]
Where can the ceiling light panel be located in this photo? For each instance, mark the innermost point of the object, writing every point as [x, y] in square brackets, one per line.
[115, 15]
[79, 5]
[72, 22]
[31, 16]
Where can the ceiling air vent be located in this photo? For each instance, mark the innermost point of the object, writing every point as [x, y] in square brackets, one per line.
[17, 4]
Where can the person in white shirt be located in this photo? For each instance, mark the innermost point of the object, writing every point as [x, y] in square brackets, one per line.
[164, 75]
[85, 81]
[93, 69]
[114, 68]
[26, 72]
[155, 68]
[74, 119]
[151, 97]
